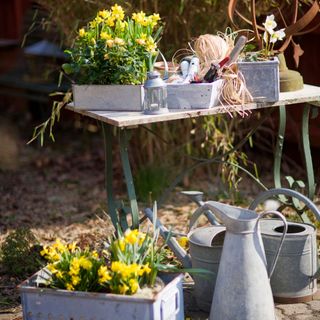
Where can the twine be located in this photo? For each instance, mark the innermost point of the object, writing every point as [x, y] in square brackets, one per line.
[210, 49]
[234, 93]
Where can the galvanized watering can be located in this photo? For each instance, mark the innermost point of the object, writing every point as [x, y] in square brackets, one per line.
[295, 276]
[242, 290]
[205, 245]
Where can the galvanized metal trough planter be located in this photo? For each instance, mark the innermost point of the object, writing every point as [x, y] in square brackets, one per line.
[130, 97]
[194, 96]
[262, 79]
[108, 97]
[48, 304]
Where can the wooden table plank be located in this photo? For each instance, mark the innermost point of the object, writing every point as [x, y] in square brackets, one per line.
[125, 119]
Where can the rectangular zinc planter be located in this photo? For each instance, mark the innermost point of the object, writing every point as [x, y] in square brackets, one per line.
[194, 96]
[48, 304]
[262, 79]
[108, 97]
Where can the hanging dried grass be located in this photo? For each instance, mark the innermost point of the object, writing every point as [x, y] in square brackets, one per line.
[234, 93]
[210, 49]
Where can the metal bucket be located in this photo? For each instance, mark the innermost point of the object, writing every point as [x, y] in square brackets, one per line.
[293, 279]
[205, 250]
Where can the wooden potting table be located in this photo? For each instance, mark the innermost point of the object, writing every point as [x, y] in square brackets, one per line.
[122, 122]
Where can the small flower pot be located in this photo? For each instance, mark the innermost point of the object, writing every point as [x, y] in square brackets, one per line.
[108, 97]
[262, 79]
[44, 303]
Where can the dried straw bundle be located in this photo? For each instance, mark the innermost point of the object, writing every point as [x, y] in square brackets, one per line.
[210, 49]
[234, 93]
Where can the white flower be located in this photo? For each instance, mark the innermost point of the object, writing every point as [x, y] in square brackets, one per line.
[278, 35]
[270, 24]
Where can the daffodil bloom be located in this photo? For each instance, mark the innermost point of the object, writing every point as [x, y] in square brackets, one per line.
[85, 263]
[110, 21]
[51, 267]
[104, 274]
[183, 241]
[44, 251]
[139, 18]
[117, 12]
[69, 287]
[82, 32]
[59, 246]
[72, 246]
[134, 285]
[105, 36]
[123, 288]
[146, 268]
[59, 274]
[131, 236]
[75, 280]
[94, 252]
[151, 46]
[104, 14]
[270, 24]
[122, 244]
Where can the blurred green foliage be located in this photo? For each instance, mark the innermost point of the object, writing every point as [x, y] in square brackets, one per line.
[20, 254]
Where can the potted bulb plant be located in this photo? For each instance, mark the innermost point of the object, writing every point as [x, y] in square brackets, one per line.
[110, 59]
[120, 282]
[261, 69]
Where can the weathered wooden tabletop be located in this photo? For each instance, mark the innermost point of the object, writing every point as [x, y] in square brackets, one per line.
[126, 119]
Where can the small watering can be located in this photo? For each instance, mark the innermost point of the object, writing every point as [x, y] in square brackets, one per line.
[242, 290]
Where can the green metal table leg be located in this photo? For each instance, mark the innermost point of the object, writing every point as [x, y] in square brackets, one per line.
[307, 151]
[112, 208]
[128, 177]
[279, 147]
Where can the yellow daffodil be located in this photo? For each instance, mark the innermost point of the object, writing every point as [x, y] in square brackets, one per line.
[72, 246]
[123, 288]
[82, 32]
[104, 14]
[95, 254]
[104, 274]
[59, 246]
[110, 21]
[75, 280]
[117, 12]
[69, 287]
[131, 236]
[44, 251]
[146, 268]
[139, 18]
[183, 241]
[85, 263]
[105, 36]
[134, 285]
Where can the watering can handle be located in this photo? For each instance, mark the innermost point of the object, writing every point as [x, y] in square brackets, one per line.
[285, 229]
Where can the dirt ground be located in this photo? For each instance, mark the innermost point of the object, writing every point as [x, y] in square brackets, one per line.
[58, 191]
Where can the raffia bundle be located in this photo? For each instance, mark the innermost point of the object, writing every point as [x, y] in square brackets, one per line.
[210, 49]
[234, 93]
